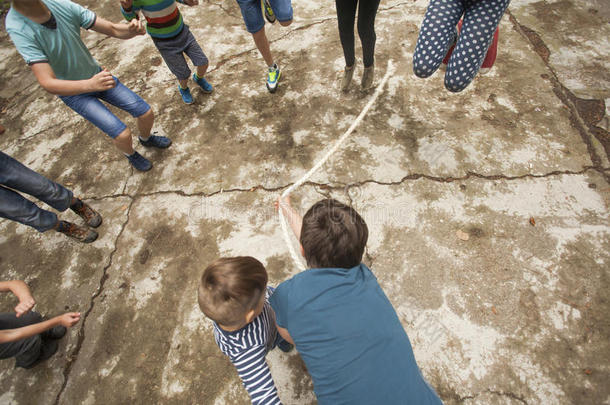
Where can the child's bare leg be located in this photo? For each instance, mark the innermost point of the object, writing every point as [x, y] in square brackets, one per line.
[145, 123]
[183, 83]
[201, 70]
[262, 43]
[123, 142]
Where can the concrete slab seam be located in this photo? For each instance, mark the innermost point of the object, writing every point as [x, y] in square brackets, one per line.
[347, 186]
[81, 332]
[583, 127]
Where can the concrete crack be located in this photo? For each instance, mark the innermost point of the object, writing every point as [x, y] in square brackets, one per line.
[347, 187]
[397, 5]
[584, 114]
[227, 12]
[81, 333]
[59, 125]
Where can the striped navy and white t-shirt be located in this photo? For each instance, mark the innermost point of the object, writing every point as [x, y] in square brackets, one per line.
[247, 348]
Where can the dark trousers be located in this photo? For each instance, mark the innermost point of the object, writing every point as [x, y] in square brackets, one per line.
[15, 207]
[26, 351]
[346, 15]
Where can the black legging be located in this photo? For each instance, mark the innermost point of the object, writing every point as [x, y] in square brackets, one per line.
[346, 15]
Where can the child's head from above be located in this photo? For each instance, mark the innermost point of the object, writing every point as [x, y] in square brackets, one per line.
[333, 235]
[232, 291]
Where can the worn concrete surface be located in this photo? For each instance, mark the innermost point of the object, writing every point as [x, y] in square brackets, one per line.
[516, 314]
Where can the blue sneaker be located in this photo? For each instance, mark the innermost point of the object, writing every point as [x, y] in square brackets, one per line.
[139, 162]
[273, 77]
[186, 95]
[156, 141]
[205, 86]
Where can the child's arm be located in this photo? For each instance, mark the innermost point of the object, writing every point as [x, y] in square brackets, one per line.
[293, 217]
[256, 376]
[121, 31]
[284, 334]
[23, 294]
[11, 335]
[46, 77]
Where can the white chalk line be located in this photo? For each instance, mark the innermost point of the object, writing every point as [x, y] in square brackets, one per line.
[296, 257]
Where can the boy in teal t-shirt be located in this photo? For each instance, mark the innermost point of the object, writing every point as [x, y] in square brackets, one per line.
[47, 34]
[338, 317]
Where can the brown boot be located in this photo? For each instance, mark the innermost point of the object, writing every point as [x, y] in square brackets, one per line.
[91, 217]
[348, 73]
[367, 77]
[80, 233]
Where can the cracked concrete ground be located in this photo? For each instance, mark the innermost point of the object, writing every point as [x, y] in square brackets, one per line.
[516, 314]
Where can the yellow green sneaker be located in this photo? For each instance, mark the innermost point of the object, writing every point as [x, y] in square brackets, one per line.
[273, 77]
[268, 11]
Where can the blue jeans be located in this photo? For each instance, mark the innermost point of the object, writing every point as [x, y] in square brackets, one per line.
[253, 15]
[89, 106]
[17, 208]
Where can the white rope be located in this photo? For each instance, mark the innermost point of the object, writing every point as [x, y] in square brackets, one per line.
[296, 257]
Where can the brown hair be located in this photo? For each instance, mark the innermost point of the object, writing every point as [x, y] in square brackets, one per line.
[230, 287]
[333, 235]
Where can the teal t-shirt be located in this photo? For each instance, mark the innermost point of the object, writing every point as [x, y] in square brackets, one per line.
[62, 46]
[350, 338]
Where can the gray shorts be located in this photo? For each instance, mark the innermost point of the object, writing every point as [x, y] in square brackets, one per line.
[173, 49]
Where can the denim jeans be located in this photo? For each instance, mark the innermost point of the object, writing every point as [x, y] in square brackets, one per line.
[15, 207]
[90, 107]
[26, 351]
[253, 15]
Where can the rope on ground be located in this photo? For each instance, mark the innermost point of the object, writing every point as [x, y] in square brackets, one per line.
[296, 257]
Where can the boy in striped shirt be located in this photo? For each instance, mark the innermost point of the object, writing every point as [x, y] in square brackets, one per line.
[173, 39]
[233, 293]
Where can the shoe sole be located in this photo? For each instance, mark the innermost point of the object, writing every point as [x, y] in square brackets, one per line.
[158, 147]
[269, 18]
[271, 90]
[143, 170]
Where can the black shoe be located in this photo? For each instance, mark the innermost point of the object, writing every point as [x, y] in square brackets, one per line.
[47, 349]
[54, 333]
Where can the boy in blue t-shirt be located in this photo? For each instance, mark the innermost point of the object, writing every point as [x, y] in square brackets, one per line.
[47, 34]
[339, 318]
